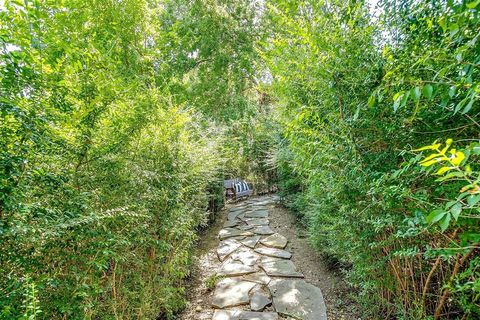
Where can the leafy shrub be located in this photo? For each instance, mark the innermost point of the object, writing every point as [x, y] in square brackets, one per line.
[106, 172]
[356, 96]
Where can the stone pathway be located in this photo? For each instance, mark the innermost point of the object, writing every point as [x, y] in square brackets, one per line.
[258, 281]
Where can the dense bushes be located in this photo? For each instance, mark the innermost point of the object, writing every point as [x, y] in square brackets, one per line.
[355, 95]
[109, 161]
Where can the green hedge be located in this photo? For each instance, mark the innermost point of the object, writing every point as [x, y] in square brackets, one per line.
[357, 96]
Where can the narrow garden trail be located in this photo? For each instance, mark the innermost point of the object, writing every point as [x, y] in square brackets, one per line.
[254, 264]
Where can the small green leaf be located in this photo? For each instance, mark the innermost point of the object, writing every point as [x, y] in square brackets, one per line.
[428, 91]
[473, 200]
[442, 170]
[397, 95]
[416, 93]
[456, 210]
[435, 215]
[452, 91]
[396, 104]
[371, 101]
[397, 98]
[450, 176]
[433, 146]
[445, 222]
[443, 23]
[405, 97]
[460, 105]
[473, 4]
[469, 105]
[450, 204]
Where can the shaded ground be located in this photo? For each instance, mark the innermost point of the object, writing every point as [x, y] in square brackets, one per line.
[199, 286]
[335, 291]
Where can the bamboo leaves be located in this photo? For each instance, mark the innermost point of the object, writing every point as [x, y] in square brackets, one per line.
[452, 160]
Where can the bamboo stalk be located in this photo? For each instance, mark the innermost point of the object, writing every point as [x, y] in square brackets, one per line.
[446, 292]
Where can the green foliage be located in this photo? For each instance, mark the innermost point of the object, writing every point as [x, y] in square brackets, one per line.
[111, 149]
[356, 94]
[212, 281]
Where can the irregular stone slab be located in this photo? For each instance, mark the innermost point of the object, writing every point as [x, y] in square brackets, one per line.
[267, 259]
[251, 242]
[257, 204]
[239, 238]
[231, 232]
[272, 252]
[247, 227]
[263, 230]
[231, 223]
[257, 214]
[231, 292]
[243, 315]
[227, 247]
[259, 300]
[234, 215]
[275, 241]
[298, 299]
[233, 268]
[257, 222]
[245, 256]
[257, 277]
[281, 268]
[236, 208]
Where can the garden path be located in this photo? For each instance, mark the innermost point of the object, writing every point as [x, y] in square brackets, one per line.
[249, 271]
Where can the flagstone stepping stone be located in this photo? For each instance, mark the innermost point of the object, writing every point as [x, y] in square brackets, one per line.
[231, 232]
[257, 277]
[239, 238]
[257, 214]
[275, 241]
[272, 252]
[243, 315]
[263, 230]
[231, 223]
[298, 299]
[245, 256]
[231, 292]
[231, 216]
[247, 227]
[233, 268]
[226, 247]
[267, 259]
[237, 208]
[251, 242]
[257, 208]
[257, 222]
[281, 268]
[259, 300]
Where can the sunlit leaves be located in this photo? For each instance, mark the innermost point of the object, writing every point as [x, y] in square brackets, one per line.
[473, 4]
[102, 171]
[453, 168]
